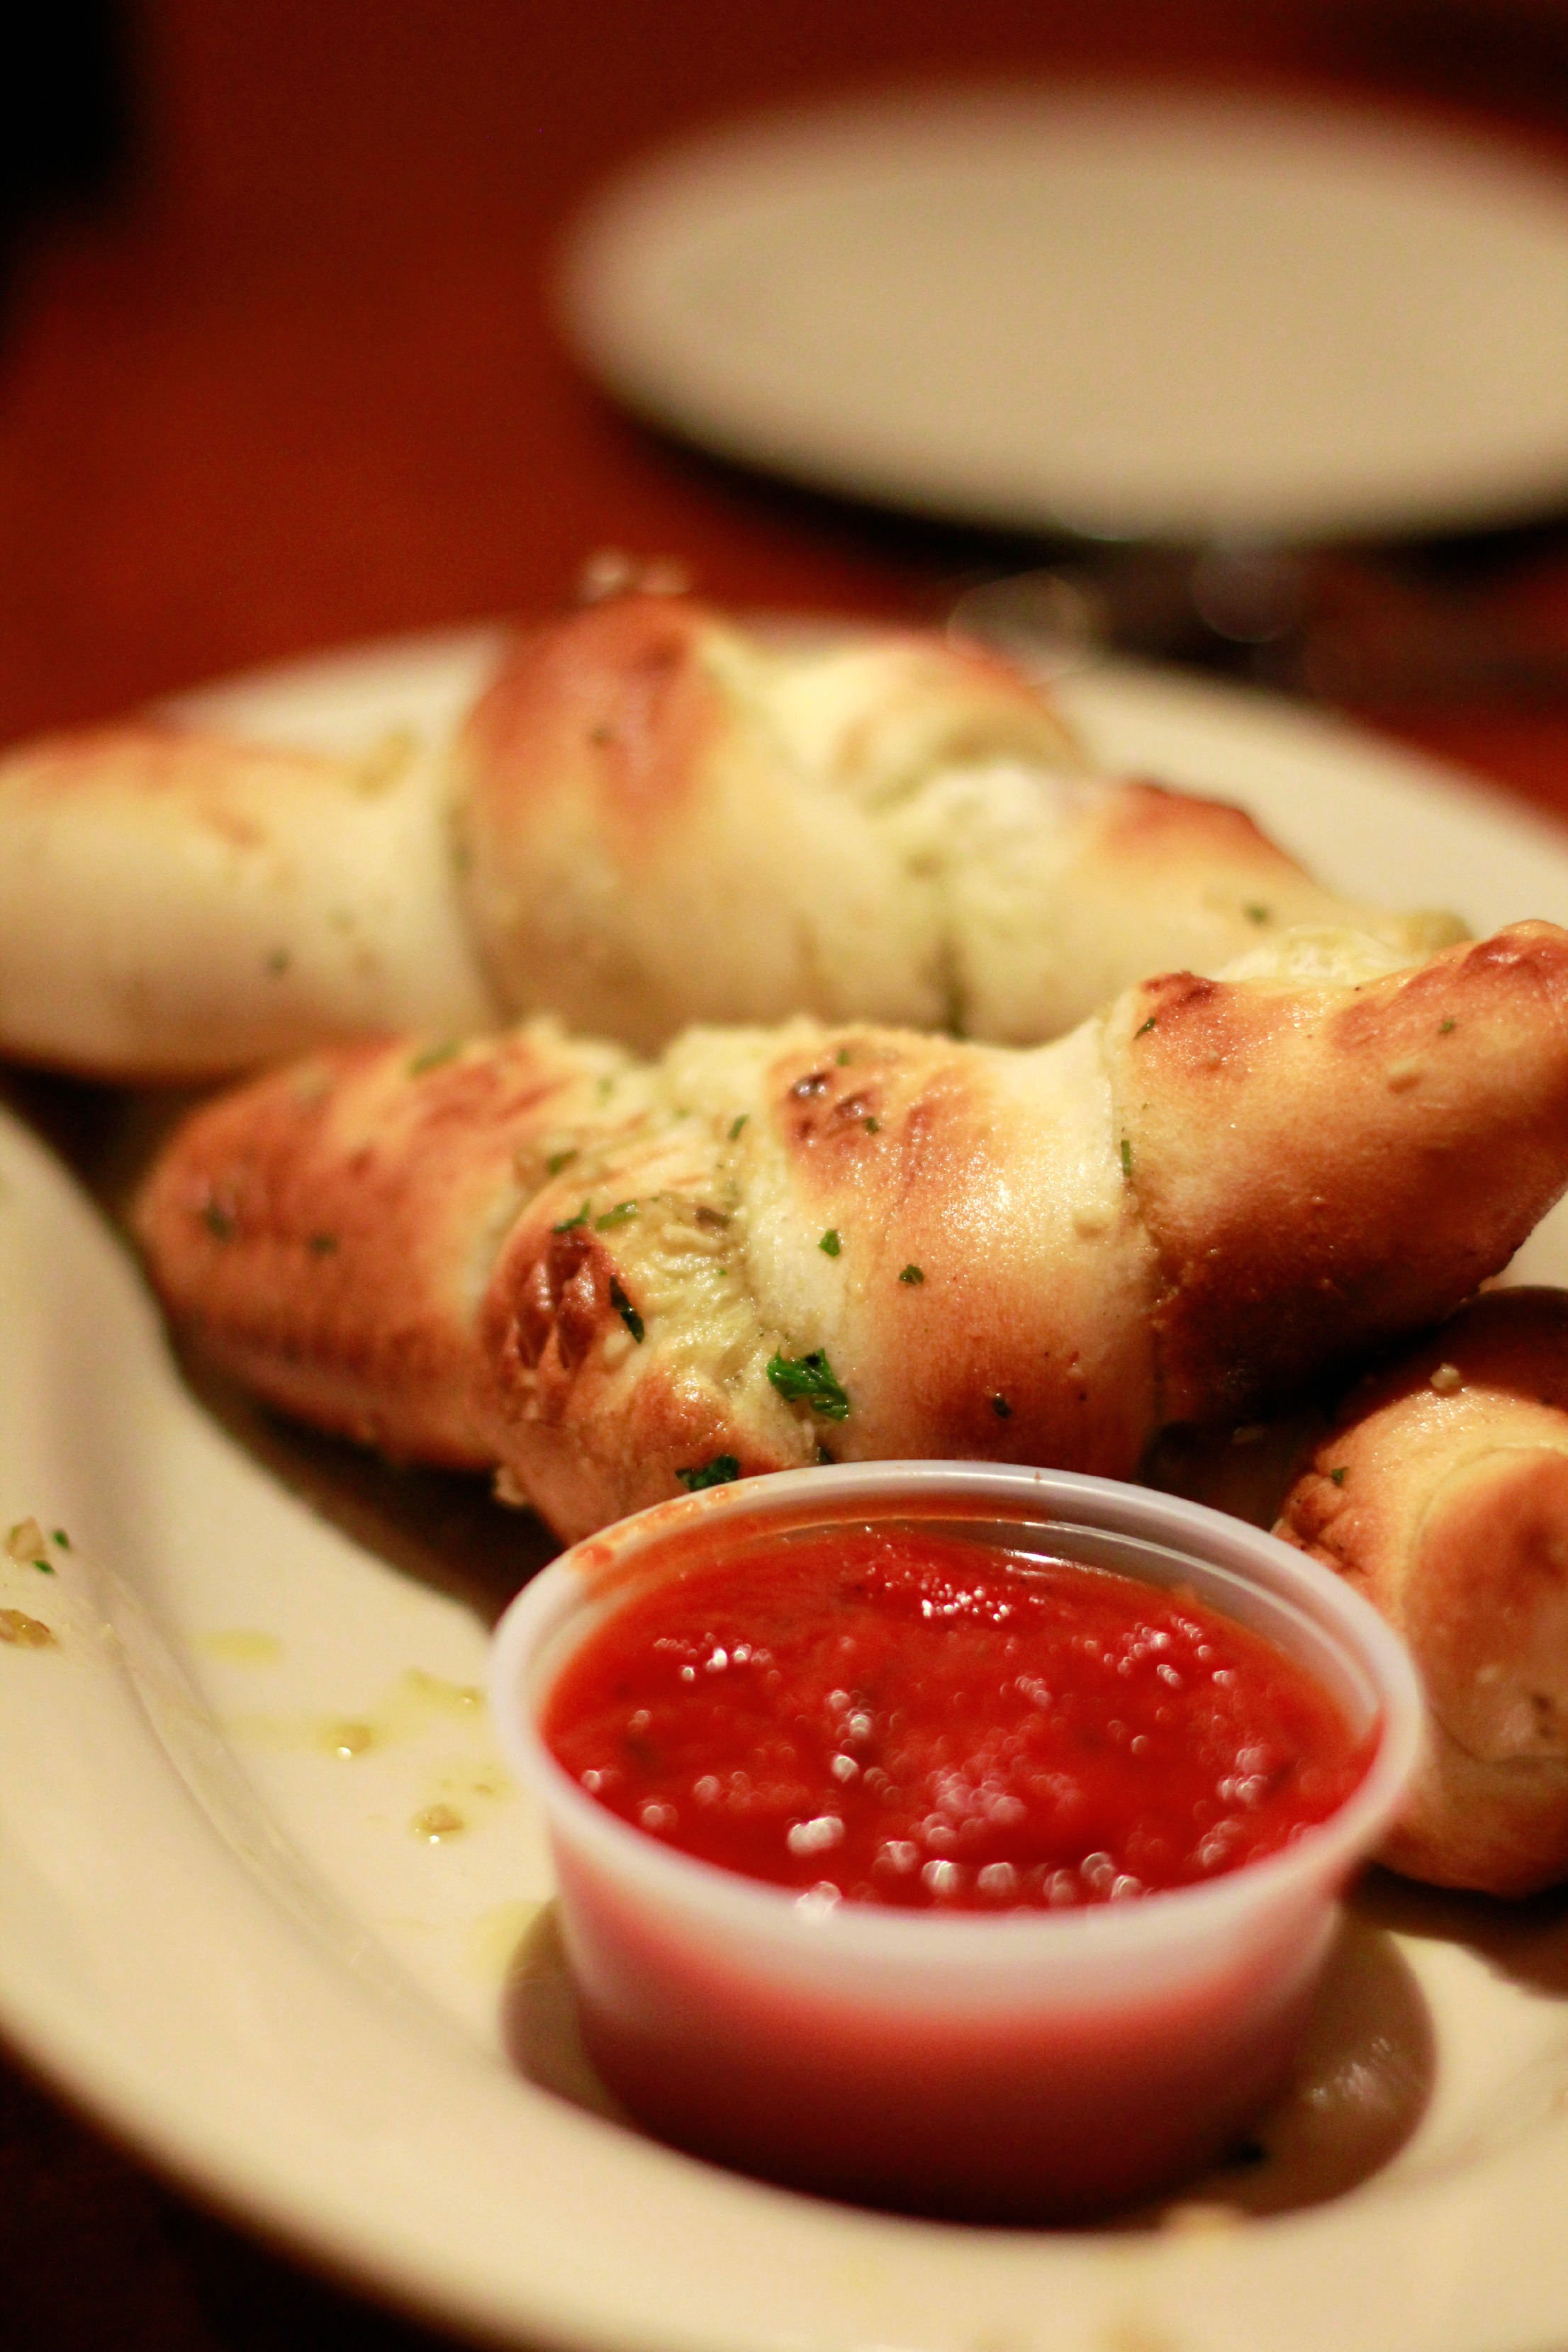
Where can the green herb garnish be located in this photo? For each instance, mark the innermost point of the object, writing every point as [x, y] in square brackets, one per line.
[1150, 1023]
[1338, 1475]
[322, 1245]
[830, 1243]
[912, 1274]
[1256, 914]
[722, 1470]
[569, 1224]
[626, 1311]
[1127, 1159]
[434, 1056]
[615, 1216]
[873, 1127]
[737, 1124]
[1444, 1027]
[810, 1380]
[1001, 1408]
[218, 1221]
[60, 1537]
[558, 1160]
[842, 1058]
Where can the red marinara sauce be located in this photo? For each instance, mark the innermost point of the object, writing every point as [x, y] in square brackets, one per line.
[897, 1717]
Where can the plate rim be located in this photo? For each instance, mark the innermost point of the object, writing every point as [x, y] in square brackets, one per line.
[1195, 2288]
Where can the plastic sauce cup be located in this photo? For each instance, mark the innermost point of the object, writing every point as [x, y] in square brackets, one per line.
[1025, 2065]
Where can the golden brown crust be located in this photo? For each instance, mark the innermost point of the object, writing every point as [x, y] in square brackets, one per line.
[992, 1174]
[620, 1338]
[326, 1232]
[626, 701]
[1431, 1100]
[667, 819]
[957, 1307]
[1151, 821]
[599, 1274]
[614, 702]
[1441, 1493]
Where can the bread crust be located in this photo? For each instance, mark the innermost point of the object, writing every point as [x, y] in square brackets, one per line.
[1441, 1494]
[175, 905]
[652, 817]
[1397, 1096]
[330, 1230]
[599, 1274]
[666, 820]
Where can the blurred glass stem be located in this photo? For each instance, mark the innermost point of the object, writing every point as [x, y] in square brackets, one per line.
[1373, 629]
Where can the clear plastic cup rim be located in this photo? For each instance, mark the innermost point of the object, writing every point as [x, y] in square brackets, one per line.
[574, 1587]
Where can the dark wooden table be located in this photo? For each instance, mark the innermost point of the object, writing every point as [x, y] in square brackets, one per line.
[295, 382]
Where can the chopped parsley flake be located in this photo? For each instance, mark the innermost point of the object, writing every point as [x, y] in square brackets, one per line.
[1127, 1159]
[873, 1127]
[830, 1243]
[842, 1058]
[912, 1274]
[569, 1225]
[1338, 1475]
[558, 1160]
[825, 1460]
[626, 1311]
[1444, 1027]
[277, 963]
[615, 1216]
[722, 1470]
[433, 1057]
[1151, 1022]
[1001, 1408]
[1257, 914]
[737, 1124]
[322, 1245]
[217, 1220]
[811, 1381]
[60, 1537]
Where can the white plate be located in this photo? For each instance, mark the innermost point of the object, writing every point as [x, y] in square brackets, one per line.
[232, 1944]
[1126, 314]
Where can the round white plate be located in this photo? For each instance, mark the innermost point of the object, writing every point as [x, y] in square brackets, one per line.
[224, 1926]
[1125, 314]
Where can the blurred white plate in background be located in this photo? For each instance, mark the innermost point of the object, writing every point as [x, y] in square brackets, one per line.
[1127, 314]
